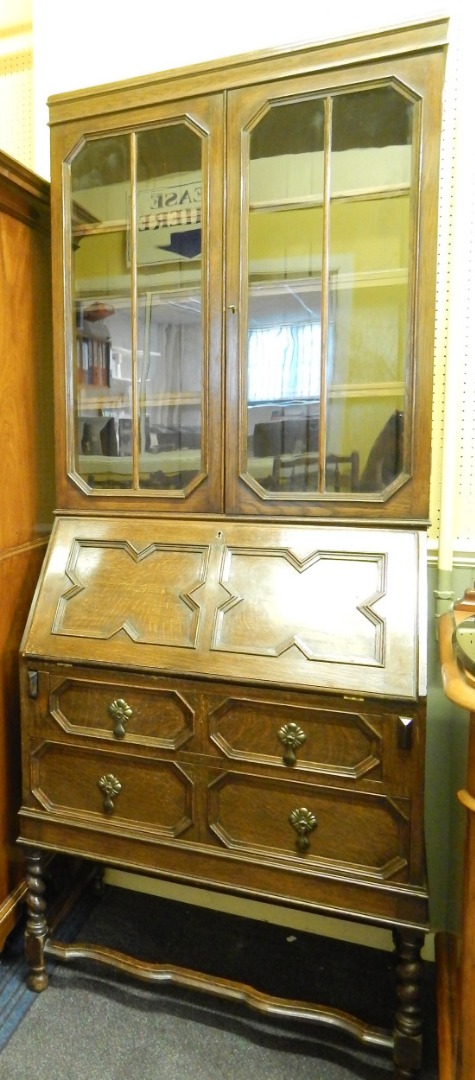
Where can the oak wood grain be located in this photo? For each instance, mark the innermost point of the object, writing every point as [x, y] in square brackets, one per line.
[456, 953]
[26, 470]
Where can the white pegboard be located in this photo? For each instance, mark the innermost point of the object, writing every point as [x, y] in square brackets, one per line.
[453, 433]
[464, 524]
[16, 105]
[443, 282]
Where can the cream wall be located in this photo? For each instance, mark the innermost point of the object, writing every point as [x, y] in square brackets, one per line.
[16, 65]
[107, 41]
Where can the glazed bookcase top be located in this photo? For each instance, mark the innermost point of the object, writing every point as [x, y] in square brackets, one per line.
[244, 284]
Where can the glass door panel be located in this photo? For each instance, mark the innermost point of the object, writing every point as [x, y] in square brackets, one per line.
[169, 317]
[369, 265]
[101, 298]
[327, 343]
[139, 375]
[285, 232]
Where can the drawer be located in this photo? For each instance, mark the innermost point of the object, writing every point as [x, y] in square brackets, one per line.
[342, 742]
[356, 744]
[320, 828]
[117, 791]
[152, 716]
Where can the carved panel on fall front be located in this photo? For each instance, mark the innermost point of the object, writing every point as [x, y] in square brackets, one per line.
[280, 602]
[336, 742]
[271, 601]
[154, 717]
[297, 606]
[154, 602]
[355, 833]
[78, 784]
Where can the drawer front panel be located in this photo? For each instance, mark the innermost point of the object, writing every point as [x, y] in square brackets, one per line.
[346, 744]
[355, 833]
[113, 789]
[154, 717]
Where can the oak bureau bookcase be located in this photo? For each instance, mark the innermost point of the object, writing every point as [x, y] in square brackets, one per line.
[223, 672]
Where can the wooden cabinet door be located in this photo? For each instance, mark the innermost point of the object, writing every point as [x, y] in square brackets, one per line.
[330, 308]
[140, 311]
[247, 289]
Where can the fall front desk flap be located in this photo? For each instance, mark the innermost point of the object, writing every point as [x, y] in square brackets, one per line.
[294, 605]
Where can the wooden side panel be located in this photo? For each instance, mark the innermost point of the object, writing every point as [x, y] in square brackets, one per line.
[26, 474]
[18, 576]
[26, 399]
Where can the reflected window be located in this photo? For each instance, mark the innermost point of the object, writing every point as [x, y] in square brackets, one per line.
[284, 362]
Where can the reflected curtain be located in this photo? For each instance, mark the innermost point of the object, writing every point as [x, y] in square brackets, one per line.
[284, 362]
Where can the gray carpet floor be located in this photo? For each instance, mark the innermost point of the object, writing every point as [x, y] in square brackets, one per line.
[92, 1023]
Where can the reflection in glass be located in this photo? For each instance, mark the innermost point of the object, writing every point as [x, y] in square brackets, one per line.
[369, 253]
[169, 322]
[329, 242]
[100, 192]
[284, 303]
[138, 402]
[283, 378]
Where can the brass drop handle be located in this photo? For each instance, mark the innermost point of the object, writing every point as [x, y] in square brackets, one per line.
[304, 822]
[292, 737]
[121, 713]
[110, 787]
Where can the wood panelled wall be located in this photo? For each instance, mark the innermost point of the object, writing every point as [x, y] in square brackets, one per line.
[26, 469]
